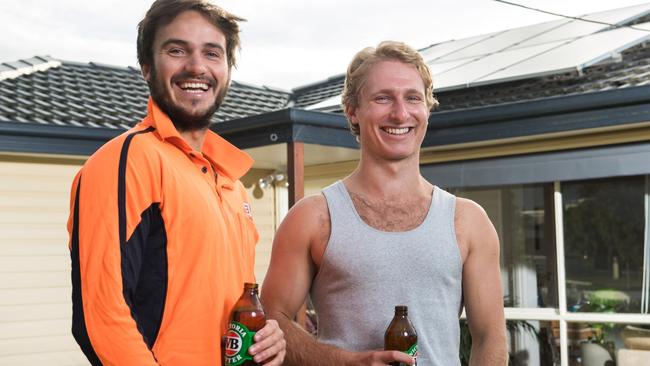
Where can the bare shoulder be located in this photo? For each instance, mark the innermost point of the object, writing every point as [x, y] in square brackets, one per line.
[474, 230]
[309, 216]
[467, 209]
[308, 209]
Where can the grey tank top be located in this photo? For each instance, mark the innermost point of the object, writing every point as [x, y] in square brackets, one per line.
[365, 272]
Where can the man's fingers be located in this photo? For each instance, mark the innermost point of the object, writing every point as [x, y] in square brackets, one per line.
[274, 353]
[270, 328]
[269, 344]
[395, 356]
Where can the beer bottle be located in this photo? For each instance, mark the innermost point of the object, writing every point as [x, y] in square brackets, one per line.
[246, 319]
[401, 335]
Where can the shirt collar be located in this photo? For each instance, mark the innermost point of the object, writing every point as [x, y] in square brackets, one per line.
[230, 160]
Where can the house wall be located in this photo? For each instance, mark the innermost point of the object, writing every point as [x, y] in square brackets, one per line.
[35, 307]
[35, 289]
[263, 205]
[320, 176]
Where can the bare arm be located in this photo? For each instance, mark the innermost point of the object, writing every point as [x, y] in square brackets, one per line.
[482, 285]
[297, 246]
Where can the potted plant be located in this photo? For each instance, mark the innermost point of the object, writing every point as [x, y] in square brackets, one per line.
[512, 326]
[597, 350]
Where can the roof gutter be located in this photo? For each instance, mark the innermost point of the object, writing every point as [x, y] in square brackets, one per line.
[544, 116]
[50, 139]
[287, 125]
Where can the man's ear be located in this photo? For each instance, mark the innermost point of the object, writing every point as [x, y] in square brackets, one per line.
[351, 113]
[146, 72]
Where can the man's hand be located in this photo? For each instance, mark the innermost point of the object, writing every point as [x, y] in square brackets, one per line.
[376, 358]
[269, 345]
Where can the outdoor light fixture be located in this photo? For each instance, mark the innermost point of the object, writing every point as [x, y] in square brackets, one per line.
[274, 178]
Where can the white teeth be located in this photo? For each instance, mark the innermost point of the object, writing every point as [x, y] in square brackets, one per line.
[397, 131]
[201, 86]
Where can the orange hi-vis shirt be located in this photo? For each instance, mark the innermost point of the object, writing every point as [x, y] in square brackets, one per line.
[161, 240]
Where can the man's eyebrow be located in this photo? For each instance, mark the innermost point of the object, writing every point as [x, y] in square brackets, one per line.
[174, 41]
[186, 43]
[390, 90]
[213, 45]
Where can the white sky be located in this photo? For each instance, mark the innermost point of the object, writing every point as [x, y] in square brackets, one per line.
[285, 43]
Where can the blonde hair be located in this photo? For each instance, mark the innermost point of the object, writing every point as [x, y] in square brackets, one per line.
[358, 70]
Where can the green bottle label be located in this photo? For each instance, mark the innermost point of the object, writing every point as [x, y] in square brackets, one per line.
[238, 340]
[413, 350]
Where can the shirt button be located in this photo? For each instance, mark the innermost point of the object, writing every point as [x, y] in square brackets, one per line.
[204, 169]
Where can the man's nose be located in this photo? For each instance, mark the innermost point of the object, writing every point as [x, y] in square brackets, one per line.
[195, 64]
[399, 112]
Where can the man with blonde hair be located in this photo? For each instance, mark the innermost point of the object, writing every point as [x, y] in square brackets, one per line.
[385, 236]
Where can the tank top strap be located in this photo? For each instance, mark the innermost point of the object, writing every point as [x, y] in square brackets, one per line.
[339, 204]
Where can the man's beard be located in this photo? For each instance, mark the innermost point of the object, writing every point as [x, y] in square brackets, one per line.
[182, 120]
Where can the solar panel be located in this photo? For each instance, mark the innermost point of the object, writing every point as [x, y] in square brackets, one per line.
[531, 51]
[441, 67]
[502, 41]
[467, 73]
[577, 28]
[574, 55]
[621, 15]
[540, 49]
[433, 53]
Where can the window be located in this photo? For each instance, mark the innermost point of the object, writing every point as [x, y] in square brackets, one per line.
[604, 224]
[523, 218]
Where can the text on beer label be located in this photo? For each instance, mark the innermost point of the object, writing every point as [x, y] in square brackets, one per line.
[238, 339]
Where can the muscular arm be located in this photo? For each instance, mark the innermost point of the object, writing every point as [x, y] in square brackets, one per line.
[482, 284]
[297, 246]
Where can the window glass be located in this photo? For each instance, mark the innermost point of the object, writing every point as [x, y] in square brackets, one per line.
[523, 218]
[604, 222]
[608, 343]
[530, 342]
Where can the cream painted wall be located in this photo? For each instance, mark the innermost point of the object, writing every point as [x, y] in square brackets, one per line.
[35, 290]
[265, 221]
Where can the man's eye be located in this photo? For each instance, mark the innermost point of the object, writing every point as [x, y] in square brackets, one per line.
[213, 55]
[175, 51]
[414, 99]
[381, 99]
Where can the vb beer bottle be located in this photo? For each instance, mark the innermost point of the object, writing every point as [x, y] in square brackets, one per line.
[401, 335]
[246, 319]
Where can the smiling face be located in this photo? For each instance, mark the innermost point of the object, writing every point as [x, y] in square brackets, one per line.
[392, 112]
[189, 76]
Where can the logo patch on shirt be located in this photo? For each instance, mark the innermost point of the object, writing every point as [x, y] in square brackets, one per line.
[247, 210]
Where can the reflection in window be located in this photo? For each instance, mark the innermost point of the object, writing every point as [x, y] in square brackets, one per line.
[523, 218]
[608, 344]
[604, 223]
[530, 342]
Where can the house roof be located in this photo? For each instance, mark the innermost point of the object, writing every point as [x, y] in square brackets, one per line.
[606, 50]
[44, 90]
[630, 68]
[67, 104]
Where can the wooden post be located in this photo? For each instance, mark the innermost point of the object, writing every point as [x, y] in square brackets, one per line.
[296, 177]
[296, 171]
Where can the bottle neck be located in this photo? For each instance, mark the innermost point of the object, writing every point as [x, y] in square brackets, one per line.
[251, 288]
[401, 311]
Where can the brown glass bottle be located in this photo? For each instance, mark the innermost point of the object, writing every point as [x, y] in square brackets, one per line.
[246, 319]
[400, 335]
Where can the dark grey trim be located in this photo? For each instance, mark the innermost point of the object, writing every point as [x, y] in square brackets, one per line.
[557, 114]
[611, 161]
[44, 139]
[288, 125]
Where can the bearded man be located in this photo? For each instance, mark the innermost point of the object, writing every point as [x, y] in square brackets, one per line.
[161, 236]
